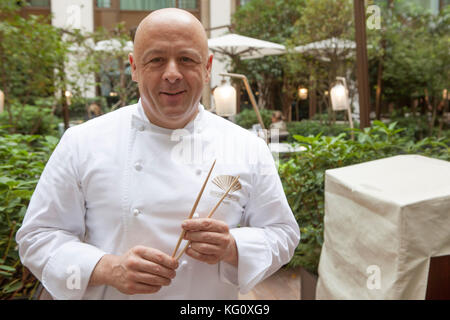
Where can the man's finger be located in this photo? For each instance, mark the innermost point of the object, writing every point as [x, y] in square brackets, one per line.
[152, 268]
[211, 259]
[205, 224]
[205, 248]
[152, 279]
[156, 256]
[205, 236]
[142, 288]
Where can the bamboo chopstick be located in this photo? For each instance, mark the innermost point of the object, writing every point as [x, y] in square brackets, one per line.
[194, 208]
[211, 213]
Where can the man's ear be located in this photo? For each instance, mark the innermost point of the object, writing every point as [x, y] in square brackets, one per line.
[133, 67]
[208, 68]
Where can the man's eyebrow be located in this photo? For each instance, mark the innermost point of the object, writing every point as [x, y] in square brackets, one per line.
[152, 52]
[160, 51]
[191, 52]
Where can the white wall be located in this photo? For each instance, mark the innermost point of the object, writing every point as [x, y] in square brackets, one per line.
[75, 14]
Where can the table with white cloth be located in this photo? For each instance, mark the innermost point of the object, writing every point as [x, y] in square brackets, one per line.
[384, 220]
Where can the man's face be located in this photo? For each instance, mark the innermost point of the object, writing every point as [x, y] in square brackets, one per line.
[171, 66]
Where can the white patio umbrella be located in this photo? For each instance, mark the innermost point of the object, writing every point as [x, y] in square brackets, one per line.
[235, 45]
[324, 49]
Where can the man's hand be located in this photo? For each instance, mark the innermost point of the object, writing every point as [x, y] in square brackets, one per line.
[139, 270]
[211, 241]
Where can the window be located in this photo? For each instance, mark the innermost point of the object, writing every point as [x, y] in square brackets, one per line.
[145, 5]
[39, 3]
[187, 4]
[103, 3]
[244, 2]
[148, 5]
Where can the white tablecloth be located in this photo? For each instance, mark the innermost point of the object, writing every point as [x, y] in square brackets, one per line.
[384, 219]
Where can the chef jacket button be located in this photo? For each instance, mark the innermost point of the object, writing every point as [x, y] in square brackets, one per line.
[136, 211]
[198, 172]
[141, 128]
[138, 166]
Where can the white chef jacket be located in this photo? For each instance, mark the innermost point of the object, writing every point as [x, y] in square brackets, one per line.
[118, 181]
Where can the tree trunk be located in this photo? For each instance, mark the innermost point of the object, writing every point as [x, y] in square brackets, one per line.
[65, 110]
[380, 81]
[362, 63]
[123, 85]
[286, 99]
[443, 117]
[261, 101]
[433, 108]
[312, 98]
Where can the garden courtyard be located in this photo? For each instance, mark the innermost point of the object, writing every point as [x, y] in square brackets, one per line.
[405, 122]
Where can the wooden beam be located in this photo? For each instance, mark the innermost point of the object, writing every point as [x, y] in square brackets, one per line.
[362, 63]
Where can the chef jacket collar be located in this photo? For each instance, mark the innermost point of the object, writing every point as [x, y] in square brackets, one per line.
[140, 121]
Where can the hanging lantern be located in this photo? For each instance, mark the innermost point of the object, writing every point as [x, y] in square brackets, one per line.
[225, 100]
[302, 93]
[339, 97]
[68, 95]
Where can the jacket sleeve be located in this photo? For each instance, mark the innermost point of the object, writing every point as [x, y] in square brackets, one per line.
[269, 232]
[51, 237]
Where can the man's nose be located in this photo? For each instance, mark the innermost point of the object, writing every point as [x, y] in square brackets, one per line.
[172, 72]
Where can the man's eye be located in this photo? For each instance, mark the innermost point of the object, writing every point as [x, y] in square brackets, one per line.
[186, 59]
[156, 60]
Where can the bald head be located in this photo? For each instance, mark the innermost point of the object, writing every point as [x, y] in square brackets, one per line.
[170, 63]
[173, 21]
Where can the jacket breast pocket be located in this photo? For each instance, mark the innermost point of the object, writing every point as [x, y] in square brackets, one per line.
[230, 209]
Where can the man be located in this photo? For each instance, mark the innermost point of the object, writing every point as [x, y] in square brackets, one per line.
[278, 127]
[109, 207]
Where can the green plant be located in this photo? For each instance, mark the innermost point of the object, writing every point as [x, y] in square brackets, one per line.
[306, 128]
[22, 160]
[79, 106]
[31, 119]
[247, 117]
[32, 57]
[303, 174]
[417, 127]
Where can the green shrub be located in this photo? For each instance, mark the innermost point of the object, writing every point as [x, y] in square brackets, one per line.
[79, 106]
[247, 118]
[308, 127]
[418, 127]
[325, 117]
[303, 175]
[31, 120]
[22, 160]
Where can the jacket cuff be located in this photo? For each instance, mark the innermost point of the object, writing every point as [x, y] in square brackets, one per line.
[66, 274]
[254, 259]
